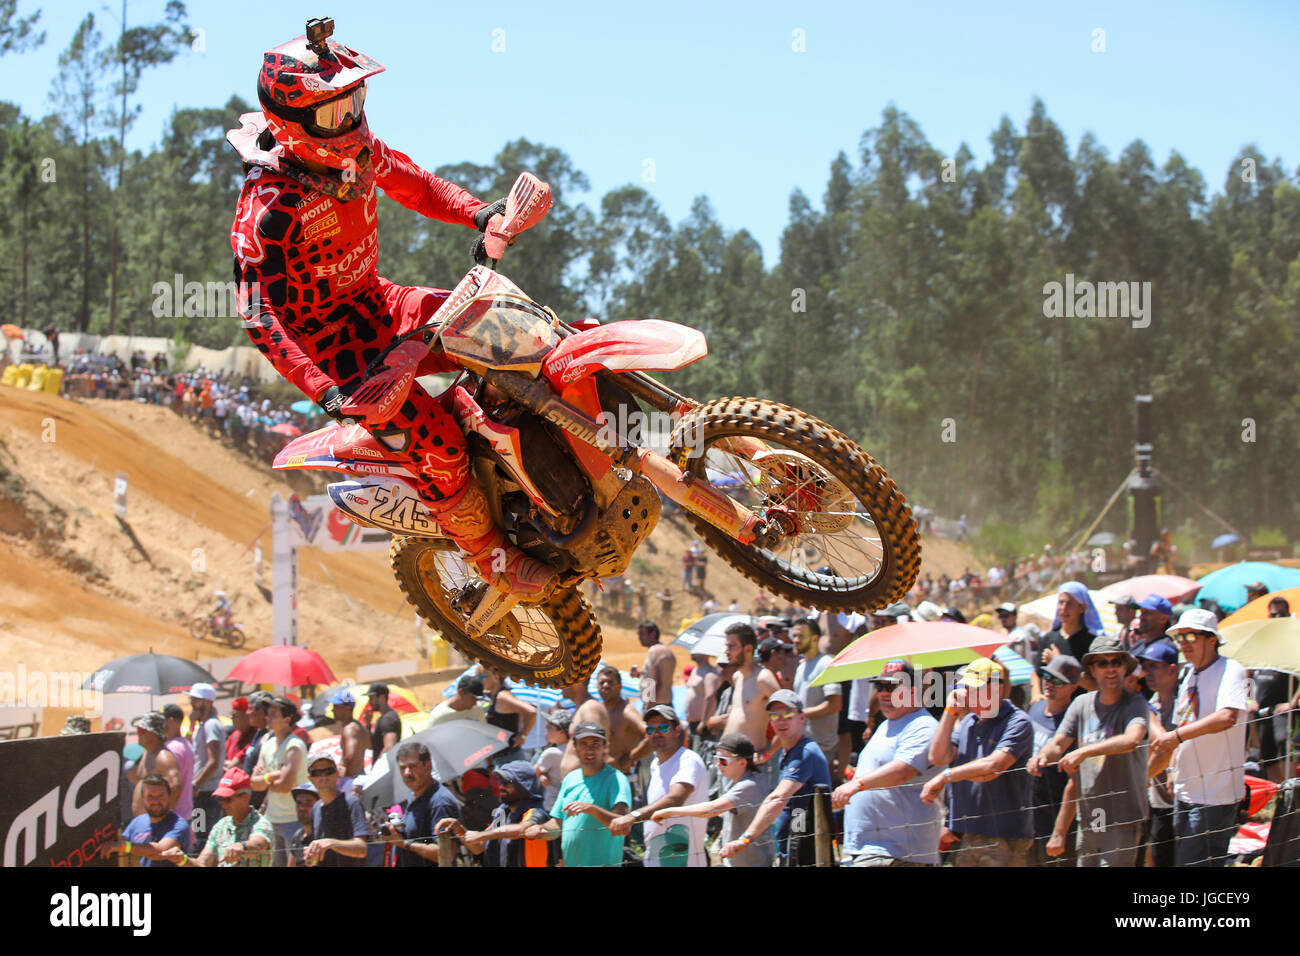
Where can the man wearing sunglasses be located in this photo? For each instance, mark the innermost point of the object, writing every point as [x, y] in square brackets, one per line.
[338, 824]
[1110, 725]
[306, 246]
[789, 805]
[677, 777]
[1060, 679]
[1208, 743]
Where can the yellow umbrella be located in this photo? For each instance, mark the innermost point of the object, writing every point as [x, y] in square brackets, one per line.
[1272, 643]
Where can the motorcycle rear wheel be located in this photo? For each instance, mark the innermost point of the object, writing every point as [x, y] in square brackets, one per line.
[235, 637]
[816, 471]
[558, 641]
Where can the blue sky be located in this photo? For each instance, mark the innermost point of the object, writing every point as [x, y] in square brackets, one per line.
[718, 97]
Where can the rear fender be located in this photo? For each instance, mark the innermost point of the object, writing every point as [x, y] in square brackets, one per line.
[640, 344]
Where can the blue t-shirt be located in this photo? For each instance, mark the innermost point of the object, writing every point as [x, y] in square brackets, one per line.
[805, 763]
[143, 830]
[420, 814]
[995, 808]
[894, 822]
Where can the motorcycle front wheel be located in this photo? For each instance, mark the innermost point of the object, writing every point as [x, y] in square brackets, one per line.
[552, 644]
[851, 542]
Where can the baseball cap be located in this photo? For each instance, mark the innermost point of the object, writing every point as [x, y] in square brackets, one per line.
[239, 704]
[76, 724]
[786, 698]
[1154, 602]
[1104, 645]
[377, 689]
[1063, 668]
[738, 744]
[1006, 607]
[897, 671]
[1198, 619]
[231, 783]
[154, 722]
[664, 711]
[1122, 600]
[589, 729]
[342, 697]
[897, 609]
[308, 787]
[980, 671]
[560, 718]
[203, 692]
[928, 611]
[1162, 652]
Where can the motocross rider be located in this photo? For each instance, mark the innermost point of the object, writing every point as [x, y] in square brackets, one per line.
[222, 612]
[305, 239]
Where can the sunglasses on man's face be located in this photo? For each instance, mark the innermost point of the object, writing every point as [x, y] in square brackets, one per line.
[659, 729]
[323, 772]
[721, 760]
[1106, 663]
[776, 715]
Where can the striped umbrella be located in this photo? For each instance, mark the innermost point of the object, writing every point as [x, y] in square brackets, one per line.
[1021, 670]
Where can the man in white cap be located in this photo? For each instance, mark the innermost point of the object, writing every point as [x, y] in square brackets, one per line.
[1208, 743]
[209, 759]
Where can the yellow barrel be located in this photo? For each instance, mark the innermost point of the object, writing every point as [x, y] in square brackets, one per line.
[10, 376]
[24, 375]
[37, 384]
[54, 381]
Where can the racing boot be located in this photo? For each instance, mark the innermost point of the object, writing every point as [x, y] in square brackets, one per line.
[512, 576]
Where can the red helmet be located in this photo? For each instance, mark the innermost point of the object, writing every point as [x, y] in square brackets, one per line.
[313, 95]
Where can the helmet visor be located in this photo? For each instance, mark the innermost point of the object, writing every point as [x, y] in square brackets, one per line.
[339, 115]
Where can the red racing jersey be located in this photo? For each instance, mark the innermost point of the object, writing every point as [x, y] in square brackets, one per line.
[307, 264]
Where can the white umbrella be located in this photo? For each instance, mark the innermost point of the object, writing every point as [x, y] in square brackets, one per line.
[707, 635]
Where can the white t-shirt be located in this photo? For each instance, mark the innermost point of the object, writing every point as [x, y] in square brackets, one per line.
[1208, 770]
[677, 841]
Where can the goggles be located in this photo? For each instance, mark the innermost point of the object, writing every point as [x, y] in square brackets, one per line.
[333, 117]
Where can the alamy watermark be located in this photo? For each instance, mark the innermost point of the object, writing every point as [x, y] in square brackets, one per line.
[206, 300]
[1098, 300]
[649, 430]
[39, 688]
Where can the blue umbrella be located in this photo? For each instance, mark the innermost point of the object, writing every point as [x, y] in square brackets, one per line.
[305, 407]
[1223, 540]
[1227, 586]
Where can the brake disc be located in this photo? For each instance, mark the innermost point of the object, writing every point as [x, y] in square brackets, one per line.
[817, 499]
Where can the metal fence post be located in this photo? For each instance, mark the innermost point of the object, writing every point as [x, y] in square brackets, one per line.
[446, 850]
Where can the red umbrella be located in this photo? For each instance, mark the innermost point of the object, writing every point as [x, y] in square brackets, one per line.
[1177, 589]
[286, 664]
[286, 428]
[924, 644]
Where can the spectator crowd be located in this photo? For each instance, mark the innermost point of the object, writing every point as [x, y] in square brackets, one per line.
[1123, 750]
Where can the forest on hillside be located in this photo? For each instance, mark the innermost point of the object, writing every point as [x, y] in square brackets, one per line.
[939, 310]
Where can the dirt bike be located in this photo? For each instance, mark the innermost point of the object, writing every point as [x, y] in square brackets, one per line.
[784, 498]
[204, 625]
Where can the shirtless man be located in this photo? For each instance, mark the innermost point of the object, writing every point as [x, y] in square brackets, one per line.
[589, 710]
[352, 733]
[701, 692]
[627, 741]
[657, 672]
[751, 687]
[151, 731]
